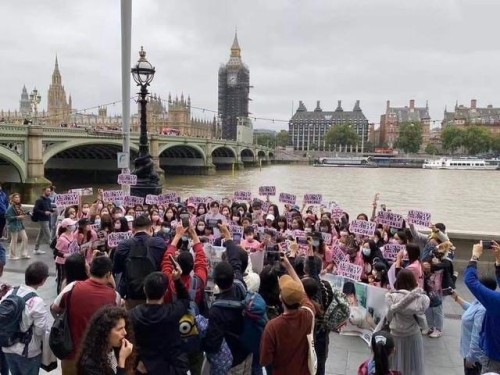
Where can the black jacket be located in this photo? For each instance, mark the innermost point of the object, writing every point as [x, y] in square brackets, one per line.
[156, 250]
[42, 205]
[157, 335]
[90, 367]
[224, 322]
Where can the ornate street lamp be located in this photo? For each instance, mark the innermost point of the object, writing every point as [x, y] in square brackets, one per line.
[147, 178]
[35, 99]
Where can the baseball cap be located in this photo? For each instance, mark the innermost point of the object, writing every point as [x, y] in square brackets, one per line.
[190, 204]
[270, 217]
[295, 208]
[67, 222]
[291, 291]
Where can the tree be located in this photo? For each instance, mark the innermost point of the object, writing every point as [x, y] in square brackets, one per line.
[495, 143]
[342, 135]
[477, 139]
[282, 138]
[431, 149]
[410, 137]
[268, 140]
[452, 138]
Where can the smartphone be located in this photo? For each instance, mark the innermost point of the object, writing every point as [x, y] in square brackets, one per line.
[302, 240]
[487, 244]
[185, 220]
[447, 291]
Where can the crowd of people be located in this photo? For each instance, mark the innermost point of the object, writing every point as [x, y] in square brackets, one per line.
[155, 303]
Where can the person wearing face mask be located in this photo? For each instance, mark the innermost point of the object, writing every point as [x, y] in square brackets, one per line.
[65, 246]
[86, 234]
[235, 217]
[156, 220]
[370, 251]
[201, 209]
[200, 227]
[85, 211]
[353, 251]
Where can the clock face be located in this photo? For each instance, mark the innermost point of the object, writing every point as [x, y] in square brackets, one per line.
[232, 78]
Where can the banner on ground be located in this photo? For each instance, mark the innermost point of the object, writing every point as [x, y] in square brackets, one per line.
[390, 218]
[366, 303]
[70, 199]
[421, 218]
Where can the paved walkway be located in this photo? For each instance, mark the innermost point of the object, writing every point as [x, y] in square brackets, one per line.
[346, 353]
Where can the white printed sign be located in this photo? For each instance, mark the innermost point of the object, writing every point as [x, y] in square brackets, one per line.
[241, 195]
[127, 179]
[116, 237]
[313, 198]
[287, 198]
[349, 270]
[390, 218]
[63, 200]
[327, 237]
[338, 256]
[82, 191]
[132, 201]
[362, 227]
[152, 199]
[112, 195]
[167, 198]
[391, 250]
[337, 212]
[267, 190]
[419, 218]
[86, 247]
[235, 229]
[196, 200]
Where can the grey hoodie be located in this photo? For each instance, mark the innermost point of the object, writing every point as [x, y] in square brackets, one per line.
[406, 311]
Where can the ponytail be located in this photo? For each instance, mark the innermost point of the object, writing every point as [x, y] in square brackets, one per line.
[381, 359]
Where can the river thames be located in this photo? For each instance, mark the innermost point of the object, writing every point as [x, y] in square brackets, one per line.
[463, 200]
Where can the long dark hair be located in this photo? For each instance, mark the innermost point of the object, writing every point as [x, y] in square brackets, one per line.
[382, 347]
[75, 268]
[95, 344]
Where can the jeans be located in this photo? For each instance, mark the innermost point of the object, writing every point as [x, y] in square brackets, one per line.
[43, 234]
[435, 317]
[20, 365]
[13, 243]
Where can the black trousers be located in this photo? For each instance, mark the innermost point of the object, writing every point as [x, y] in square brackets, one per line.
[476, 370]
[60, 276]
[321, 343]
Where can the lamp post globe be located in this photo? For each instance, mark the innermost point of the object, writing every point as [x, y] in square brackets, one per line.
[147, 177]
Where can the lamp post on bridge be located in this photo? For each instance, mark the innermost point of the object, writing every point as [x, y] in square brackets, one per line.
[35, 99]
[147, 177]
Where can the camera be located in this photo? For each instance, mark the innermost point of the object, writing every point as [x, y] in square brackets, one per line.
[184, 219]
[487, 244]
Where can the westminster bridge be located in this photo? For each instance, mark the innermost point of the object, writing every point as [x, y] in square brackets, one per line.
[28, 154]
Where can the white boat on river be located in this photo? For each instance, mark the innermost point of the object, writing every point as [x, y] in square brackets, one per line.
[357, 162]
[459, 164]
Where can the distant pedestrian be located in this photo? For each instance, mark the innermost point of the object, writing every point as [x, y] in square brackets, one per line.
[4, 204]
[42, 212]
[15, 216]
[490, 299]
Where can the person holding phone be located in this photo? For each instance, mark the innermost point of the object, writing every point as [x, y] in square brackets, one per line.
[490, 299]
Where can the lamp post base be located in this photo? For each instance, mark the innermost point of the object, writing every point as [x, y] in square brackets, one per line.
[148, 181]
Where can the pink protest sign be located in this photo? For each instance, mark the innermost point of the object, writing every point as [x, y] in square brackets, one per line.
[287, 198]
[362, 227]
[327, 237]
[349, 270]
[197, 200]
[116, 237]
[63, 200]
[127, 179]
[167, 198]
[131, 201]
[391, 250]
[152, 199]
[267, 190]
[338, 256]
[390, 218]
[112, 195]
[337, 212]
[313, 198]
[242, 195]
[421, 218]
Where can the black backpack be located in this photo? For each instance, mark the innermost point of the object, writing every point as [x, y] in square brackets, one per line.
[138, 265]
[11, 313]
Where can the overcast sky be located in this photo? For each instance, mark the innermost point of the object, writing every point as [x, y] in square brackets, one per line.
[371, 50]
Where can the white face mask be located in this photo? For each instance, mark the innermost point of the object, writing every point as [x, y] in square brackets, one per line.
[366, 251]
[71, 228]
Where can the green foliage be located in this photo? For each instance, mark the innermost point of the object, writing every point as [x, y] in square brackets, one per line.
[431, 149]
[282, 138]
[267, 140]
[452, 138]
[410, 137]
[495, 143]
[477, 139]
[342, 135]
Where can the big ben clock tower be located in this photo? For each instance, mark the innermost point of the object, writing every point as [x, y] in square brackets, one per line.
[234, 87]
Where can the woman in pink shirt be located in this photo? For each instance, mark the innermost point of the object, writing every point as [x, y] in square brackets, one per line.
[414, 264]
[250, 244]
[66, 242]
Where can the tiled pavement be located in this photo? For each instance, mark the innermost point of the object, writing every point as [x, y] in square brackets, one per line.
[346, 352]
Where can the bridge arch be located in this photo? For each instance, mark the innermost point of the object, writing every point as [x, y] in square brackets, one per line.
[261, 154]
[12, 166]
[181, 151]
[247, 153]
[271, 155]
[223, 156]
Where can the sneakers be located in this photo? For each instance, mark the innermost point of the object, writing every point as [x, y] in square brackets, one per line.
[435, 334]
[425, 332]
[38, 252]
[25, 257]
